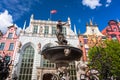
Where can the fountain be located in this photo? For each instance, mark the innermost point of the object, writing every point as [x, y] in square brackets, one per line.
[62, 54]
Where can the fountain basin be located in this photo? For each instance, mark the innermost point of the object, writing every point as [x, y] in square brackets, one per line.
[57, 54]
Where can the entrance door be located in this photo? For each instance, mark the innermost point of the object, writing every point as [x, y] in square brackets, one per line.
[49, 76]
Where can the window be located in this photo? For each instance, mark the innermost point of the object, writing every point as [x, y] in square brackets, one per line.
[2, 46]
[45, 63]
[27, 64]
[114, 37]
[53, 30]
[86, 49]
[64, 30]
[85, 41]
[10, 35]
[92, 30]
[72, 71]
[46, 31]
[114, 29]
[104, 37]
[11, 46]
[85, 36]
[35, 29]
[48, 64]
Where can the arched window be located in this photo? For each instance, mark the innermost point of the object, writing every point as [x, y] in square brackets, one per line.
[27, 64]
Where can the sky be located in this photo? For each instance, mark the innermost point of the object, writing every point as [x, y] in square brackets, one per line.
[80, 12]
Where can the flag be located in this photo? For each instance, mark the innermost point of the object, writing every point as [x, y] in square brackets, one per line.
[53, 11]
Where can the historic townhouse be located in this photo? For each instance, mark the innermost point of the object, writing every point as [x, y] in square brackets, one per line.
[112, 31]
[87, 40]
[8, 43]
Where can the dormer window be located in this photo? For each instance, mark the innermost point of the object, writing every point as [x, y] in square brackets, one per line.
[35, 29]
[10, 35]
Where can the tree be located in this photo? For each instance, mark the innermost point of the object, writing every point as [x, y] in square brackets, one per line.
[106, 59]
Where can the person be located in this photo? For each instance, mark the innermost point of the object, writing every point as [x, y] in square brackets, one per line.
[59, 26]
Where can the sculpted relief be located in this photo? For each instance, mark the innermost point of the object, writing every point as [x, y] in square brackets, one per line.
[94, 40]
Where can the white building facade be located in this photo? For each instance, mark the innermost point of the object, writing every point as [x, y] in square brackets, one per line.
[29, 63]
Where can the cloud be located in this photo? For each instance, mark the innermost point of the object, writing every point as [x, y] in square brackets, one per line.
[7, 20]
[91, 3]
[108, 3]
[17, 8]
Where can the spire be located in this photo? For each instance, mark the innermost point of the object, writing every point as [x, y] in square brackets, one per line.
[91, 22]
[24, 26]
[31, 19]
[87, 24]
[32, 16]
[79, 32]
[75, 30]
[69, 21]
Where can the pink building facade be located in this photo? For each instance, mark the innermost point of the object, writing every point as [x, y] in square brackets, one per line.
[112, 31]
[8, 44]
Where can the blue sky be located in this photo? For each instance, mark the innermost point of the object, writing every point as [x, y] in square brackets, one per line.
[80, 12]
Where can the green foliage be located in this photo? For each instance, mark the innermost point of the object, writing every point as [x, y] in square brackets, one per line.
[107, 57]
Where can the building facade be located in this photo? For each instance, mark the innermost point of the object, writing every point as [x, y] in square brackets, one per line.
[8, 44]
[90, 38]
[112, 31]
[92, 31]
[40, 33]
